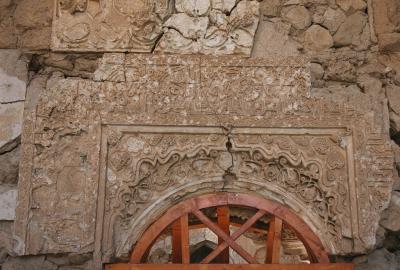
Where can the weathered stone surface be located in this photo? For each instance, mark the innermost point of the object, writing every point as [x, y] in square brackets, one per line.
[298, 16]
[207, 27]
[13, 76]
[332, 19]
[10, 121]
[6, 241]
[273, 38]
[8, 202]
[380, 259]
[271, 8]
[211, 31]
[318, 38]
[351, 29]
[25, 24]
[387, 24]
[9, 160]
[391, 216]
[346, 5]
[31, 263]
[122, 113]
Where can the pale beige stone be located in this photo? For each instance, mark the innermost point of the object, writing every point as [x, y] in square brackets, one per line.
[193, 7]
[318, 38]
[391, 216]
[215, 33]
[189, 27]
[273, 39]
[8, 203]
[332, 19]
[205, 27]
[13, 76]
[138, 111]
[223, 5]
[354, 4]
[10, 121]
[317, 71]
[298, 16]
[351, 29]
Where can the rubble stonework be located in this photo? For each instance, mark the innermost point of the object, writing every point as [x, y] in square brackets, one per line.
[55, 50]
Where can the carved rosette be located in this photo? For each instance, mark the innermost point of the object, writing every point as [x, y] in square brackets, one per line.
[108, 25]
[206, 27]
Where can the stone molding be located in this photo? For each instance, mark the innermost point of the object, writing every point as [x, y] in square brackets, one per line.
[100, 158]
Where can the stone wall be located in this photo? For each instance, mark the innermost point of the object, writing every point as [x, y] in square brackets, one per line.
[354, 47]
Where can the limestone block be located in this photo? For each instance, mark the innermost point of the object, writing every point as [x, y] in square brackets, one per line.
[273, 38]
[9, 161]
[8, 203]
[352, 4]
[10, 121]
[13, 76]
[31, 263]
[193, 26]
[318, 38]
[333, 18]
[298, 16]
[271, 8]
[31, 14]
[210, 31]
[193, 8]
[380, 259]
[391, 216]
[351, 29]
[223, 5]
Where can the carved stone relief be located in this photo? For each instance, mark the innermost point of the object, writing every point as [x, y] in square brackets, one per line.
[189, 26]
[103, 159]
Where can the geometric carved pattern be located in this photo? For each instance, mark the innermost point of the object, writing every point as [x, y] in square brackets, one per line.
[313, 169]
[152, 130]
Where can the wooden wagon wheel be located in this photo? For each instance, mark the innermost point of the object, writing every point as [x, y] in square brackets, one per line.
[178, 218]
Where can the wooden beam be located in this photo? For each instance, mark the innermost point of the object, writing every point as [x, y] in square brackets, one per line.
[246, 226]
[230, 267]
[176, 242]
[180, 240]
[274, 241]
[185, 245]
[213, 227]
[223, 217]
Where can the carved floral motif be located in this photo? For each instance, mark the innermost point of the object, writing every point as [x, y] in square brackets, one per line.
[208, 27]
[151, 164]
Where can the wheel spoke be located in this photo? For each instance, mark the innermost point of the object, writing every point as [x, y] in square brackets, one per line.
[220, 233]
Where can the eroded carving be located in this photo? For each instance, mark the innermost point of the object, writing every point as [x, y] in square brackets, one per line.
[152, 130]
[207, 27]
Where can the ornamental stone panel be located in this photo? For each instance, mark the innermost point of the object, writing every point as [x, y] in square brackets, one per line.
[184, 26]
[103, 158]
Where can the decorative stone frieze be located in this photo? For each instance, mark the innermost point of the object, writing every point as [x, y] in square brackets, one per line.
[189, 26]
[103, 159]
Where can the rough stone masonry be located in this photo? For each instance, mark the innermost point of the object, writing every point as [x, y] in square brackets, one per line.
[98, 87]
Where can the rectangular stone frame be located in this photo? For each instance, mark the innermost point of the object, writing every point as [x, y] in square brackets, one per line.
[291, 108]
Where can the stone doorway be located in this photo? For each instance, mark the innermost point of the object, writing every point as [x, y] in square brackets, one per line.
[213, 212]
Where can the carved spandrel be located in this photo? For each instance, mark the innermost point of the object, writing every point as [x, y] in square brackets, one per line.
[143, 166]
